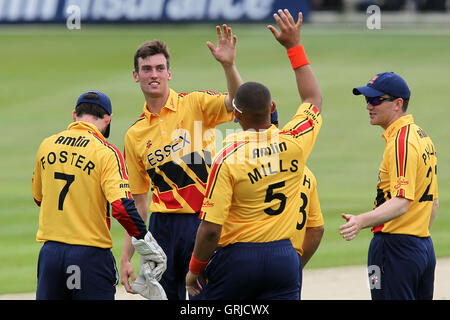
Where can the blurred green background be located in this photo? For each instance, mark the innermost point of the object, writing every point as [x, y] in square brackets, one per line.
[45, 69]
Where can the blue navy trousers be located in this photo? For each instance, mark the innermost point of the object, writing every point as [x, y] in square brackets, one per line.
[175, 233]
[401, 267]
[75, 272]
[254, 271]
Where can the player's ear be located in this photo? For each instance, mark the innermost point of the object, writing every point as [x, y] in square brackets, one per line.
[74, 116]
[398, 104]
[135, 76]
[170, 74]
[273, 107]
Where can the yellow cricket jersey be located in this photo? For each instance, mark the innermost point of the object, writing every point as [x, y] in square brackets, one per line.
[408, 170]
[253, 188]
[172, 151]
[311, 214]
[76, 175]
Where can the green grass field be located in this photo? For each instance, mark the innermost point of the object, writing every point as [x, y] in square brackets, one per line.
[44, 70]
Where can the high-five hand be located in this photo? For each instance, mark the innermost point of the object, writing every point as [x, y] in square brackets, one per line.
[289, 35]
[225, 52]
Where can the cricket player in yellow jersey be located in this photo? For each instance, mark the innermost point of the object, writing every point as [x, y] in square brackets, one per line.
[76, 177]
[401, 254]
[169, 150]
[252, 204]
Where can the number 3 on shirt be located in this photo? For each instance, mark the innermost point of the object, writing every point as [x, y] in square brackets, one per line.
[303, 211]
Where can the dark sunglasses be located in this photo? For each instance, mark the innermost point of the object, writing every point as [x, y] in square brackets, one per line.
[375, 101]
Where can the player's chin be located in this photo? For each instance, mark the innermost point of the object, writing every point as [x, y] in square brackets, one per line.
[153, 92]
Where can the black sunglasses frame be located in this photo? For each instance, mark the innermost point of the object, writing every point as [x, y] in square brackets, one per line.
[375, 101]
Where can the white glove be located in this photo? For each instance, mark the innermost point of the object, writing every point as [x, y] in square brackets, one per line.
[147, 285]
[150, 250]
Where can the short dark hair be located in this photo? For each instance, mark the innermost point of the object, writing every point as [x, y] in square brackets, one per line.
[254, 98]
[405, 102]
[151, 48]
[90, 108]
[405, 105]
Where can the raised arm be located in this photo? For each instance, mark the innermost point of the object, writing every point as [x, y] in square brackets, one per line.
[289, 37]
[225, 53]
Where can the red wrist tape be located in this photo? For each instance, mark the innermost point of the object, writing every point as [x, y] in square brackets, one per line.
[297, 56]
[196, 266]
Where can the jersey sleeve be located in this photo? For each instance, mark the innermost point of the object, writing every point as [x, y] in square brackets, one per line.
[125, 212]
[36, 180]
[117, 191]
[217, 202]
[212, 106]
[304, 127]
[114, 177]
[403, 166]
[434, 186]
[314, 215]
[138, 178]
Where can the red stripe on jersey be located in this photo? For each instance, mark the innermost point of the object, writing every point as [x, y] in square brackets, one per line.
[169, 200]
[217, 163]
[200, 182]
[108, 222]
[122, 166]
[401, 152]
[37, 202]
[315, 110]
[302, 128]
[192, 196]
[121, 214]
[209, 92]
[155, 199]
[377, 228]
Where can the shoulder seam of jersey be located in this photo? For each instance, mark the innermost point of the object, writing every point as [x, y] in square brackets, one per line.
[142, 117]
[119, 158]
[227, 151]
[210, 92]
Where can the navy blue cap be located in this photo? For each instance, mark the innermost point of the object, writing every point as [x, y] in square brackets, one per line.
[384, 83]
[103, 101]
